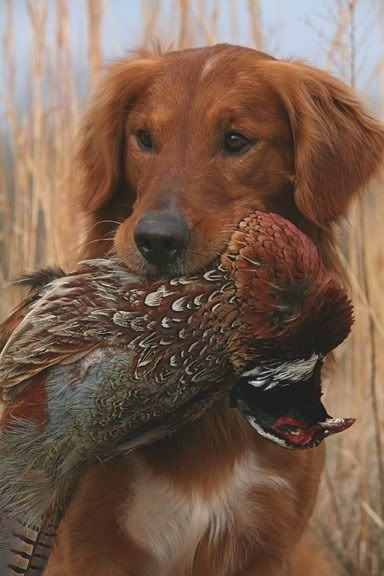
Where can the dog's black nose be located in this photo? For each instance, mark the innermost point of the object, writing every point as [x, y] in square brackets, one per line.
[161, 237]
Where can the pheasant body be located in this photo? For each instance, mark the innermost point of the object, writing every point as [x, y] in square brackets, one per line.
[97, 362]
[103, 357]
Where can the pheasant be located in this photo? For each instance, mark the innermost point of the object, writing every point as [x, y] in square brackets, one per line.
[98, 362]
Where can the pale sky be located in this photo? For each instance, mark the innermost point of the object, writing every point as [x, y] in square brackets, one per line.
[292, 28]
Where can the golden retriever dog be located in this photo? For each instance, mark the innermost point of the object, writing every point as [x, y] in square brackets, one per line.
[175, 149]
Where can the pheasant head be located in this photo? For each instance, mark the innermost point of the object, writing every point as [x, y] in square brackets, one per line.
[291, 314]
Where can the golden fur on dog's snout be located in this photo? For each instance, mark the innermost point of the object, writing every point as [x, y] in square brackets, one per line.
[209, 135]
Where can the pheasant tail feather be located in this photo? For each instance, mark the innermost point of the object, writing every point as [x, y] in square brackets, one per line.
[24, 550]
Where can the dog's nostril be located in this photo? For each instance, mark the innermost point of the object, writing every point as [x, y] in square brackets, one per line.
[145, 244]
[161, 237]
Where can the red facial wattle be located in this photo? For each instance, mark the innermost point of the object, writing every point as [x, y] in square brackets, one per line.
[301, 434]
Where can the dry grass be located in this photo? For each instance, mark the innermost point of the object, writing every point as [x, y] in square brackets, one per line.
[37, 223]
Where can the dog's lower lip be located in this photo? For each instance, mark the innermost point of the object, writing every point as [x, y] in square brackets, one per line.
[161, 273]
[176, 270]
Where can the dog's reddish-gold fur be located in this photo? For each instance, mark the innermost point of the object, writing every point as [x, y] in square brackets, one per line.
[215, 499]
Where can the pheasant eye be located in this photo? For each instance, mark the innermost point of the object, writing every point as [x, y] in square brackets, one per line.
[295, 431]
[145, 139]
[235, 143]
[291, 429]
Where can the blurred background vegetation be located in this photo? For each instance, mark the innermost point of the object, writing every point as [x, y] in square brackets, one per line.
[50, 54]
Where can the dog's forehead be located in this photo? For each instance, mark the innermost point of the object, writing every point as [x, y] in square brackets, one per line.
[214, 82]
[206, 69]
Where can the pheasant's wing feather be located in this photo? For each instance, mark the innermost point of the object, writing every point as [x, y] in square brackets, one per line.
[34, 282]
[12, 322]
[32, 347]
[61, 322]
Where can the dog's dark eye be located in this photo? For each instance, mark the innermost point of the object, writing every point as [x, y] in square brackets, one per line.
[145, 139]
[234, 142]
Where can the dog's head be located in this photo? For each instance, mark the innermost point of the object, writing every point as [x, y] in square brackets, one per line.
[177, 148]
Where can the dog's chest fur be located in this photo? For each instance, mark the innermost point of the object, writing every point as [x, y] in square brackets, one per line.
[169, 523]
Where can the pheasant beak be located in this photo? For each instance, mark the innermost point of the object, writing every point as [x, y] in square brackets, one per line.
[335, 425]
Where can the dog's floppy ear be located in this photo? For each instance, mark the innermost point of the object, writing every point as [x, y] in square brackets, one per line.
[338, 146]
[101, 133]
